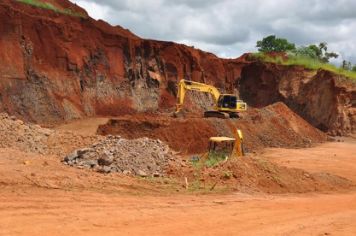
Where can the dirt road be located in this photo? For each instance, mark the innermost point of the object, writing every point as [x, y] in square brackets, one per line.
[44, 212]
[29, 210]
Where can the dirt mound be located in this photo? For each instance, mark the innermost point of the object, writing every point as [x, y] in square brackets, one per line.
[181, 134]
[143, 157]
[35, 139]
[272, 126]
[253, 173]
[26, 137]
[25, 171]
[28, 171]
[324, 99]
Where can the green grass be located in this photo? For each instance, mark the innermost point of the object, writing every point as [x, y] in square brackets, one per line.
[210, 159]
[48, 6]
[215, 158]
[308, 63]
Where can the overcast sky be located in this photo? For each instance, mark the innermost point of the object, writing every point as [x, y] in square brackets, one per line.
[229, 28]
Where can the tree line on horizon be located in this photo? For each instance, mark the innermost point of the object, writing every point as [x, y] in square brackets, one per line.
[318, 52]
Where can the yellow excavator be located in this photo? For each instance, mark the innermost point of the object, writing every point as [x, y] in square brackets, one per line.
[226, 105]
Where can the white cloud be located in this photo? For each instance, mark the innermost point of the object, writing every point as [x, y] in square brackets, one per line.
[94, 9]
[232, 27]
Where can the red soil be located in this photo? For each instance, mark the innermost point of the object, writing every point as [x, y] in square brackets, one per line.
[273, 126]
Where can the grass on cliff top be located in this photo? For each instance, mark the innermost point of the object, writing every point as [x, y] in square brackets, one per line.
[49, 6]
[308, 63]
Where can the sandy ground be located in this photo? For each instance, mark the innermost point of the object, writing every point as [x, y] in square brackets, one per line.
[44, 212]
[51, 209]
[336, 158]
[86, 126]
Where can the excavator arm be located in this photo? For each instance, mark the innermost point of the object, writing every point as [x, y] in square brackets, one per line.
[185, 85]
[239, 145]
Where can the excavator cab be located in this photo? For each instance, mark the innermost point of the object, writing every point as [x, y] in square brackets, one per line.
[227, 101]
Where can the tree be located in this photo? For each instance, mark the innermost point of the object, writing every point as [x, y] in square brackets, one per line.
[329, 55]
[316, 50]
[306, 52]
[346, 65]
[321, 51]
[273, 44]
[354, 68]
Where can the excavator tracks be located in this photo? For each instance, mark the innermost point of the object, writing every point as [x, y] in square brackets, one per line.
[216, 114]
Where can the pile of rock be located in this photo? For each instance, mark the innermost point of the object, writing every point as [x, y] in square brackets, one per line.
[25, 137]
[33, 138]
[143, 157]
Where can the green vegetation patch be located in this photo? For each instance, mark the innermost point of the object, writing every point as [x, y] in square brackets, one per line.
[210, 159]
[314, 57]
[309, 63]
[49, 6]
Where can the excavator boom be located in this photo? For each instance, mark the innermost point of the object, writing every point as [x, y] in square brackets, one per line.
[185, 85]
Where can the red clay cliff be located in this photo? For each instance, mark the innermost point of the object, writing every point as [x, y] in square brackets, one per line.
[56, 67]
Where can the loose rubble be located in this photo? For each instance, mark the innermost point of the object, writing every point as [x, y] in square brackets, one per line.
[26, 137]
[142, 157]
[33, 138]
